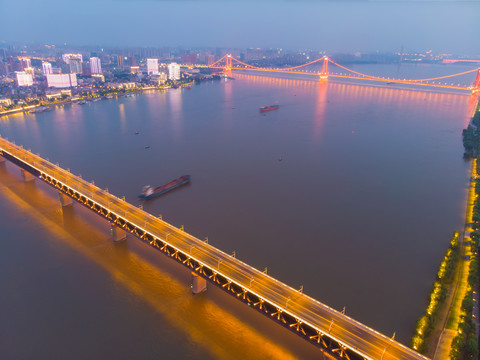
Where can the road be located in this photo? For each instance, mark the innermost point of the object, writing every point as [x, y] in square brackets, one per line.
[359, 338]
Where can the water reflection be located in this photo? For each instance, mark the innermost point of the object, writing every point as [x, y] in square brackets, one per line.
[200, 319]
[335, 168]
[123, 120]
[321, 106]
[175, 111]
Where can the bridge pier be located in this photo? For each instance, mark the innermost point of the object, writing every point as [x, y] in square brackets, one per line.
[2, 159]
[117, 233]
[65, 200]
[199, 284]
[26, 175]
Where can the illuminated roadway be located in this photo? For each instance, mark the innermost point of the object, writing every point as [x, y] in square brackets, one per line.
[352, 339]
[351, 74]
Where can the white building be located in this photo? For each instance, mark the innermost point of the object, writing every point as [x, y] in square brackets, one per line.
[173, 71]
[66, 57]
[75, 66]
[26, 63]
[61, 80]
[152, 66]
[24, 79]
[47, 68]
[95, 65]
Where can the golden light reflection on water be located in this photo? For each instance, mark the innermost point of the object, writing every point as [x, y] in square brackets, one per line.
[123, 119]
[320, 108]
[350, 92]
[382, 93]
[203, 321]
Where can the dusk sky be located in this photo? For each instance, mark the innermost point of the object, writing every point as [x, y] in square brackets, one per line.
[332, 26]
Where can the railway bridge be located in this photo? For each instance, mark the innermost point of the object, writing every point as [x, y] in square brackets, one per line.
[330, 330]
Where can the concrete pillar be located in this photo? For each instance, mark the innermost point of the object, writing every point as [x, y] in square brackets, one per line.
[199, 284]
[2, 159]
[65, 200]
[117, 233]
[26, 175]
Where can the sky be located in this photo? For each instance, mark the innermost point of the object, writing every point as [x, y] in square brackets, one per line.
[331, 26]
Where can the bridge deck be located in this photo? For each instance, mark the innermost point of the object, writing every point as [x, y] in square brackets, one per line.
[357, 337]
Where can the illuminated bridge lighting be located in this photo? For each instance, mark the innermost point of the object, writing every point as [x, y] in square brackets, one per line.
[351, 74]
[329, 330]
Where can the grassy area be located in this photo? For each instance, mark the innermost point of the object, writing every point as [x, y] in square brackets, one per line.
[451, 296]
[436, 308]
[464, 346]
[455, 310]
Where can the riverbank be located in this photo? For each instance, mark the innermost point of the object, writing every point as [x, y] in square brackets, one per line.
[76, 99]
[437, 331]
[459, 334]
[449, 327]
[428, 330]
[114, 93]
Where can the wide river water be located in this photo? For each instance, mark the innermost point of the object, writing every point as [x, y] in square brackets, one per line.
[351, 191]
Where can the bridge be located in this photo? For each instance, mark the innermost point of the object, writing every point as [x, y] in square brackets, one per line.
[330, 330]
[229, 63]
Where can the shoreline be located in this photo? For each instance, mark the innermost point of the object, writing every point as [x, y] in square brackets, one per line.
[444, 324]
[77, 99]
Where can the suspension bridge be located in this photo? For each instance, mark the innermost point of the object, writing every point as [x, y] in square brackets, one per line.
[321, 68]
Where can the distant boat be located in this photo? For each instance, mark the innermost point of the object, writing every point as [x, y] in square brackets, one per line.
[148, 192]
[82, 102]
[109, 97]
[268, 108]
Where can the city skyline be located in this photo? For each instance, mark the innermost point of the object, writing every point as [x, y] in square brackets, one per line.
[352, 26]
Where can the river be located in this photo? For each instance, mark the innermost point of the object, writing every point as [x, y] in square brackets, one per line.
[351, 191]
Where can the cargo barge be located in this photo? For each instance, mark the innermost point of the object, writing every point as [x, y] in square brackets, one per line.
[268, 108]
[148, 192]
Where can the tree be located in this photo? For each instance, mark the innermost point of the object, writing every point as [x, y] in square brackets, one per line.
[470, 350]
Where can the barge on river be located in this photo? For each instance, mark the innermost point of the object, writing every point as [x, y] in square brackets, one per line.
[148, 192]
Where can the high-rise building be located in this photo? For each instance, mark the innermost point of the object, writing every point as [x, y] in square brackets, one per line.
[86, 68]
[152, 66]
[4, 68]
[95, 65]
[61, 80]
[47, 68]
[31, 71]
[66, 57]
[26, 63]
[210, 59]
[120, 59]
[75, 66]
[173, 71]
[24, 79]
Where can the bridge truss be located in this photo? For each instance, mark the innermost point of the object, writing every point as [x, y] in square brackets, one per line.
[330, 330]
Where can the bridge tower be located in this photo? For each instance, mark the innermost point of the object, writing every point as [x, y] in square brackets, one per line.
[324, 73]
[228, 62]
[476, 84]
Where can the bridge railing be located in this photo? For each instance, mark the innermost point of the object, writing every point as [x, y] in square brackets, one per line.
[347, 332]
